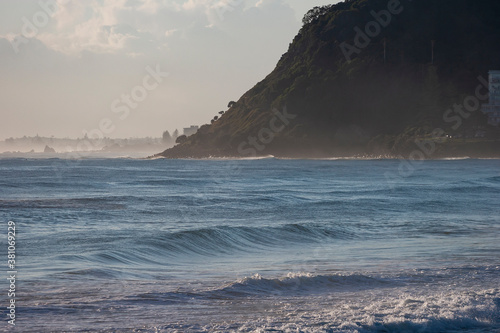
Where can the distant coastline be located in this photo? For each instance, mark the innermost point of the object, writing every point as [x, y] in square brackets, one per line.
[40, 146]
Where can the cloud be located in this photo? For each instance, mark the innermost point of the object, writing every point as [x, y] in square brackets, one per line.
[92, 52]
[135, 26]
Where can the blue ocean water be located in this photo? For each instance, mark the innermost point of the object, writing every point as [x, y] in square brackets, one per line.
[270, 245]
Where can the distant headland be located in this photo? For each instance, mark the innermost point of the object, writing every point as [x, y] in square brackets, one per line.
[370, 78]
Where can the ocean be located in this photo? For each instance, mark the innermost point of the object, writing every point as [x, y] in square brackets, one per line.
[263, 245]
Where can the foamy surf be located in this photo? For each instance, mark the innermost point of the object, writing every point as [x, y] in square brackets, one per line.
[124, 245]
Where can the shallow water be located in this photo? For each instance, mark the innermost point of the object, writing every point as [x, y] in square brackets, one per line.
[254, 245]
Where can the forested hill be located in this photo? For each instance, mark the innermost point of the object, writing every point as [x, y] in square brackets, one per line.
[365, 77]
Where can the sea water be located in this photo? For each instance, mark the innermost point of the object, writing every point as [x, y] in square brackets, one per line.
[128, 245]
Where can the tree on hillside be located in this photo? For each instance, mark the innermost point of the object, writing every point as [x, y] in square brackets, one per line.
[315, 13]
[231, 104]
[175, 135]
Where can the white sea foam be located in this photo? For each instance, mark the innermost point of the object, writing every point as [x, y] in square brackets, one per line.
[440, 305]
[292, 246]
[454, 158]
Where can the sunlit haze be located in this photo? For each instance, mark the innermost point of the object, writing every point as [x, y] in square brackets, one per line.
[70, 67]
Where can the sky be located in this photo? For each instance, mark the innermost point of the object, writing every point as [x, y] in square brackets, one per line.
[134, 68]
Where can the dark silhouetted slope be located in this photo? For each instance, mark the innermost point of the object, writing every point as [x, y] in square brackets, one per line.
[368, 105]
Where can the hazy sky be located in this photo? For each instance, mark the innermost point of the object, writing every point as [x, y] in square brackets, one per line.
[70, 67]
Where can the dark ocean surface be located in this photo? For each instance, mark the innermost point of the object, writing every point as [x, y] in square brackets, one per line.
[269, 245]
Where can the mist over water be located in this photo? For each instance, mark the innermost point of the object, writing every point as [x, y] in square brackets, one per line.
[224, 245]
[81, 148]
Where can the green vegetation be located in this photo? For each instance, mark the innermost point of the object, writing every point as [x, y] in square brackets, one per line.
[394, 91]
